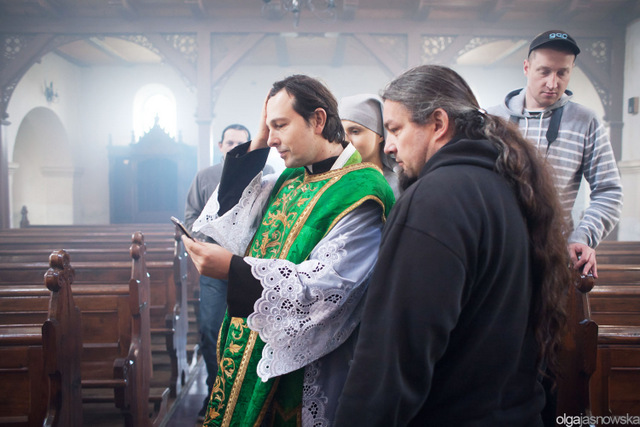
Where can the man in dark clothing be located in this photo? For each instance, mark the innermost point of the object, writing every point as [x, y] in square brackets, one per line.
[213, 292]
[472, 253]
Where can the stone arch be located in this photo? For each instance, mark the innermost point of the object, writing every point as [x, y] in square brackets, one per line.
[42, 172]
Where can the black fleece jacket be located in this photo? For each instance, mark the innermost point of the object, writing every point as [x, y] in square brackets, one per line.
[445, 338]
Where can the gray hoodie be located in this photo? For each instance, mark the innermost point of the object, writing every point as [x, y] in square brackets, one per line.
[581, 148]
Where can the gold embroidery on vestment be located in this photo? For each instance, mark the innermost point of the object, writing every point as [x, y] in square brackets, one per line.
[308, 178]
[239, 379]
[287, 415]
[355, 205]
[302, 219]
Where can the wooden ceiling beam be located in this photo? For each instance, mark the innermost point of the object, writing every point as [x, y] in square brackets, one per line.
[199, 9]
[71, 59]
[385, 59]
[450, 53]
[107, 50]
[496, 9]
[349, 9]
[594, 71]
[51, 7]
[578, 5]
[272, 10]
[91, 26]
[282, 52]
[131, 8]
[174, 57]
[571, 9]
[504, 56]
[422, 10]
[629, 12]
[338, 54]
[233, 57]
[36, 48]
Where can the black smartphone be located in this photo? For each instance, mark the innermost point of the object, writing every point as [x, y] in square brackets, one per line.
[181, 226]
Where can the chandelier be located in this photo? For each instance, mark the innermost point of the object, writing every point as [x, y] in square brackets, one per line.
[322, 9]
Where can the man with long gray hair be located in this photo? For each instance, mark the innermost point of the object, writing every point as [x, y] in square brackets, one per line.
[466, 300]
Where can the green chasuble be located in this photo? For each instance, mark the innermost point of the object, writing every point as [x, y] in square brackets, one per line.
[302, 209]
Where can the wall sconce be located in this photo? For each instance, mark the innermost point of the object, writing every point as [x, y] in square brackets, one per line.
[49, 93]
[632, 105]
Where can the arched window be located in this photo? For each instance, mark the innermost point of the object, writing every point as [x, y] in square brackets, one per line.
[154, 101]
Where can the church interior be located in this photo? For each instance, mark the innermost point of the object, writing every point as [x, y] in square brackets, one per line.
[109, 108]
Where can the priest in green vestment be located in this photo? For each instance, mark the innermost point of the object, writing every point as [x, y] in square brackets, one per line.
[297, 250]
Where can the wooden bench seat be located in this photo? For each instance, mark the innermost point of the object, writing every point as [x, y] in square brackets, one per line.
[106, 245]
[116, 361]
[615, 305]
[85, 254]
[40, 363]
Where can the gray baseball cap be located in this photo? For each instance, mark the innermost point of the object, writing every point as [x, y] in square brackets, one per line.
[555, 38]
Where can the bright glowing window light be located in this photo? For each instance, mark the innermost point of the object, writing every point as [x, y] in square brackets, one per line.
[151, 101]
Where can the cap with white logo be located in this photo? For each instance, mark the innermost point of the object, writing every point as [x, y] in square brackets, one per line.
[555, 38]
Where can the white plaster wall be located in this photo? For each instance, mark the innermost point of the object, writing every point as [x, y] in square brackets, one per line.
[29, 94]
[95, 106]
[629, 228]
[27, 98]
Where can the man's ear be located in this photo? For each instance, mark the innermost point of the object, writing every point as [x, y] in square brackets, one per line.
[319, 120]
[220, 144]
[440, 119]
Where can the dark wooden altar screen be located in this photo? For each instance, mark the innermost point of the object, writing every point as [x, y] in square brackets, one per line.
[149, 180]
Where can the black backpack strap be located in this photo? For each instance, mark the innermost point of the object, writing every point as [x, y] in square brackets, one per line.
[554, 125]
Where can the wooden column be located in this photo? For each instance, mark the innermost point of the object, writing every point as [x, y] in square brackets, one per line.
[414, 49]
[615, 111]
[204, 108]
[5, 210]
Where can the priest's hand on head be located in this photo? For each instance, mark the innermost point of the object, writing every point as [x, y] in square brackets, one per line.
[210, 259]
[262, 136]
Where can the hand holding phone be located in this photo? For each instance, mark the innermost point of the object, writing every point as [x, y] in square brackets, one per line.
[181, 227]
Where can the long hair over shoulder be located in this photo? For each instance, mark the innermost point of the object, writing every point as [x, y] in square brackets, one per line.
[426, 88]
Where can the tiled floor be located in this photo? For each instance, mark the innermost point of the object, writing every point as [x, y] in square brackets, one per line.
[184, 413]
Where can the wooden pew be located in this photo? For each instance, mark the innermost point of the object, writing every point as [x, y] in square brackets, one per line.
[616, 309]
[168, 306]
[40, 365]
[85, 254]
[615, 305]
[611, 252]
[116, 363]
[618, 274]
[577, 358]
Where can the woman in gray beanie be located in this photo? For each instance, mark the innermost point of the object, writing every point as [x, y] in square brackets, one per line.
[362, 120]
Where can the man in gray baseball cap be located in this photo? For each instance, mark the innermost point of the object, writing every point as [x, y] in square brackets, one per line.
[573, 140]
